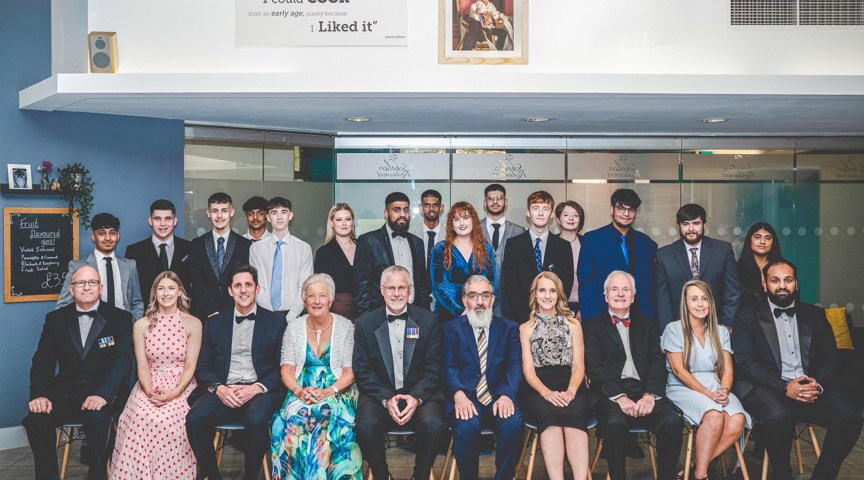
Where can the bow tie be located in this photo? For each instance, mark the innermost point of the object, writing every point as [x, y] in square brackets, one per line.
[240, 318]
[790, 312]
[395, 234]
[401, 316]
[88, 313]
[625, 321]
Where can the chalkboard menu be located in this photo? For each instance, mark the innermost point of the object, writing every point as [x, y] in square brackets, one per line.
[38, 245]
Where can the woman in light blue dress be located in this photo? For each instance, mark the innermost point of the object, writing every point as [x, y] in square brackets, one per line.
[699, 361]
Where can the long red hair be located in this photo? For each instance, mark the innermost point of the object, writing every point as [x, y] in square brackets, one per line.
[478, 244]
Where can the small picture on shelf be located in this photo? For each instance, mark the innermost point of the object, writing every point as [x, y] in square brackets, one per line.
[19, 177]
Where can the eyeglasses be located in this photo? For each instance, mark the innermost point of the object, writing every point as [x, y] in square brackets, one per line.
[497, 198]
[623, 209]
[473, 296]
[394, 289]
[81, 283]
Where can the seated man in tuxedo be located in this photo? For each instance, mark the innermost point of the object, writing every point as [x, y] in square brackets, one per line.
[483, 371]
[79, 374]
[162, 251]
[785, 361]
[628, 379]
[397, 363]
[238, 376]
[118, 275]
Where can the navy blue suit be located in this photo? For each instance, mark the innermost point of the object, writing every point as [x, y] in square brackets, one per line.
[503, 377]
[600, 255]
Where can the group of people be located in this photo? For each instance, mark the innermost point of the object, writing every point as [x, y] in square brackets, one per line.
[454, 325]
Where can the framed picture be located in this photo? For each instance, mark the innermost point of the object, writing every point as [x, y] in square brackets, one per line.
[19, 177]
[483, 32]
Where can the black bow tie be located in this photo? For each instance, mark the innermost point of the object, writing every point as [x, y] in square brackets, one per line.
[240, 318]
[788, 311]
[88, 313]
[395, 234]
[401, 316]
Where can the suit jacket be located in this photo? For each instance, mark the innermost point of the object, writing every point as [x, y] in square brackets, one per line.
[209, 289]
[519, 269]
[510, 231]
[373, 356]
[605, 355]
[149, 265]
[757, 347]
[462, 359]
[128, 282]
[372, 256]
[84, 370]
[215, 357]
[600, 255]
[717, 268]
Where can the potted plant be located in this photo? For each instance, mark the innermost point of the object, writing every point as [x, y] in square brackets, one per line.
[76, 187]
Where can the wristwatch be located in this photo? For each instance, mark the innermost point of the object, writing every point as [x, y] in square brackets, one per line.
[212, 388]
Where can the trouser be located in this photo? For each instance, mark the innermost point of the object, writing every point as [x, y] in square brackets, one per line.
[508, 442]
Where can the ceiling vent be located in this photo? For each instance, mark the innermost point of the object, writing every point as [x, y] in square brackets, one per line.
[828, 13]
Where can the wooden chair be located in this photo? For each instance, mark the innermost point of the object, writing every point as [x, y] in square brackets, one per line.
[533, 438]
[800, 428]
[648, 440]
[739, 449]
[219, 444]
[399, 432]
[68, 433]
[451, 460]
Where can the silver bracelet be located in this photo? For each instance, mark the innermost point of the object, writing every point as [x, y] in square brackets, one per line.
[335, 390]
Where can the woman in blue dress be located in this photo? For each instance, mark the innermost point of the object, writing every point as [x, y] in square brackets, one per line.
[313, 432]
[463, 253]
[699, 361]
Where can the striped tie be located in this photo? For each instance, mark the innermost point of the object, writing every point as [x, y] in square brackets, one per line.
[482, 388]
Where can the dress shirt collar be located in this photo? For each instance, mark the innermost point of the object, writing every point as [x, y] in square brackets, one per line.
[99, 256]
[626, 315]
[542, 238]
[90, 311]
[501, 221]
[390, 234]
[437, 228]
[216, 237]
[772, 306]
[391, 312]
[157, 242]
[698, 247]
[273, 238]
[254, 310]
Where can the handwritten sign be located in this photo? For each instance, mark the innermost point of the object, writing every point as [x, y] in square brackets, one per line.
[39, 244]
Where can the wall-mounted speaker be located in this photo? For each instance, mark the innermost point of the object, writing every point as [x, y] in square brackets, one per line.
[102, 47]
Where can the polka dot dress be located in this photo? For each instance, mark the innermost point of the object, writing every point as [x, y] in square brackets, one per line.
[151, 441]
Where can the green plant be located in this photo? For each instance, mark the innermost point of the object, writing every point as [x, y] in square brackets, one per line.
[76, 187]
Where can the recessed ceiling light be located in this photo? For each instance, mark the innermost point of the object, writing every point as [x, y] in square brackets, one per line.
[535, 119]
[713, 120]
[358, 119]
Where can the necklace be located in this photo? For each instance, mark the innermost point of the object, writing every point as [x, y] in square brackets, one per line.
[319, 332]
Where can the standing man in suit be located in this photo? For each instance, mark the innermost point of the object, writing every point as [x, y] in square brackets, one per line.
[530, 253]
[212, 256]
[390, 245]
[256, 219]
[497, 230]
[429, 230]
[161, 252]
[118, 275]
[628, 379]
[785, 361]
[483, 371]
[397, 363]
[617, 246]
[79, 373]
[695, 257]
[238, 376]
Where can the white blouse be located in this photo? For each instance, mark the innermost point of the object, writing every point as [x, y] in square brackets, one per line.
[341, 344]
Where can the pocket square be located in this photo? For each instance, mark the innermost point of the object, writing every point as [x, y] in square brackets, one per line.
[105, 342]
[184, 259]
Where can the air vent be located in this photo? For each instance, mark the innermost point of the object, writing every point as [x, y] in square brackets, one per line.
[797, 12]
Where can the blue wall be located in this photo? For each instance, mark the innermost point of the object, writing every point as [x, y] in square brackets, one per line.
[132, 160]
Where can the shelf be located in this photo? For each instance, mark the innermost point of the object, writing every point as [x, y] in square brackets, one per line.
[5, 190]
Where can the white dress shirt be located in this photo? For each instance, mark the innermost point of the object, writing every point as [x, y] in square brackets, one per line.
[216, 241]
[118, 283]
[169, 248]
[85, 322]
[264, 236]
[491, 230]
[397, 347]
[241, 368]
[296, 268]
[425, 237]
[402, 255]
[544, 239]
[790, 346]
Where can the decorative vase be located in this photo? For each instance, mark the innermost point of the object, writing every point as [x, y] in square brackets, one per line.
[44, 184]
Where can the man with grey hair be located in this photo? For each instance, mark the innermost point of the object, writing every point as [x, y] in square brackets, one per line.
[482, 372]
[397, 351]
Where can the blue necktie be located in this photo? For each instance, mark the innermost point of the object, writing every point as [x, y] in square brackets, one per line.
[624, 251]
[276, 282]
[538, 255]
[220, 253]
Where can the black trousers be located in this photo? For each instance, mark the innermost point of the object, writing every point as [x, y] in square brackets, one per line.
[373, 422]
[777, 415]
[41, 432]
[209, 411]
[614, 427]
[508, 442]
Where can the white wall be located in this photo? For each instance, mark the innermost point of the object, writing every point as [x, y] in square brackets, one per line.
[585, 36]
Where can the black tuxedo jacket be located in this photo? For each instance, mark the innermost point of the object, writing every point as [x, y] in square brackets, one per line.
[149, 265]
[372, 256]
[717, 268]
[99, 367]
[757, 347]
[519, 268]
[605, 356]
[373, 357]
[209, 289]
[215, 357]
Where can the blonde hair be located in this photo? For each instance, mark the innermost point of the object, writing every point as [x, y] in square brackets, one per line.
[333, 210]
[712, 328]
[153, 306]
[561, 307]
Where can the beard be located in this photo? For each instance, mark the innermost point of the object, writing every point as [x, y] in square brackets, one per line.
[396, 227]
[479, 320]
[785, 301]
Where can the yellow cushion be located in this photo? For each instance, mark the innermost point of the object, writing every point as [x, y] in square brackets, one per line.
[837, 319]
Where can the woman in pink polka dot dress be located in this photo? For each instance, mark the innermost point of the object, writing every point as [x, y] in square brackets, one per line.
[151, 433]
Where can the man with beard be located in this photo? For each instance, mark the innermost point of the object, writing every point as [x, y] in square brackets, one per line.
[390, 245]
[482, 372]
[429, 230]
[695, 257]
[785, 360]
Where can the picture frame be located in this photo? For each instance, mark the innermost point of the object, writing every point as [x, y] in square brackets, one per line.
[20, 177]
[490, 32]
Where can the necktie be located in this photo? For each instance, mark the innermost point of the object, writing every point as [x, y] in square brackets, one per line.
[163, 256]
[395, 234]
[495, 236]
[220, 253]
[694, 263]
[483, 394]
[276, 282]
[240, 318]
[790, 312]
[538, 255]
[401, 316]
[624, 250]
[429, 246]
[109, 280]
[625, 321]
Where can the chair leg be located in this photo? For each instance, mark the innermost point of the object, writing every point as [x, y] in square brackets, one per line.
[723, 464]
[266, 467]
[525, 440]
[797, 443]
[742, 448]
[815, 441]
[59, 431]
[447, 458]
[765, 465]
[533, 456]
[653, 454]
[220, 435]
[66, 452]
[596, 456]
[689, 456]
[452, 470]
[743, 465]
